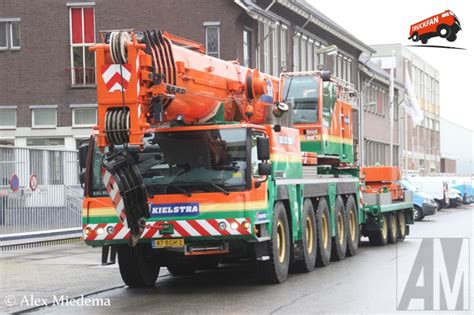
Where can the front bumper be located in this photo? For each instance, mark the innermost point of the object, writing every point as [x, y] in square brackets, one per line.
[190, 230]
[428, 208]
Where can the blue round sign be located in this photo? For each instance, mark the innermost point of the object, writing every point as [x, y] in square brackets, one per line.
[14, 182]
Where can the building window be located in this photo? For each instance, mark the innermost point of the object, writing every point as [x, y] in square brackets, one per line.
[212, 39]
[310, 55]
[247, 49]
[7, 118]
[56, 163]
[84, 117]
[304, 54]
[266, 48]
[44, 142]
[296, 53]
[82, 34]
[44, 118]
[10, 34]
[275, 52]
[283, 47]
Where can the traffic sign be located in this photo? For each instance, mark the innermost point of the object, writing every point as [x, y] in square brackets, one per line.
[14, 182]
[33, 182]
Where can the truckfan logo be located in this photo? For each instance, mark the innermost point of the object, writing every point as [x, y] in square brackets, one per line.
[445, 25]
[437, 278]
[174, 209]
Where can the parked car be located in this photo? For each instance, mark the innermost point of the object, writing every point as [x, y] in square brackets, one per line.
[464, 186]
[436, 187]
[423, 203]
[455, 197]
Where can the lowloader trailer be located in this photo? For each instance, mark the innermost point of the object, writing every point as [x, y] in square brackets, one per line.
[197, 160]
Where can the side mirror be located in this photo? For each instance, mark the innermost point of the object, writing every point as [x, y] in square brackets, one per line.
[263, 148]
[326, 76]
[264, 169]
[83, 149]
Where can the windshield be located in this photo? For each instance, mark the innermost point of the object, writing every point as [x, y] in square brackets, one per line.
[302, 92]
[190, 161]
[408, 185]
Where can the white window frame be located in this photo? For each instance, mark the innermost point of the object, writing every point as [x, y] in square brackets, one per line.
[12, 109]
[304, 53]
[40, 107]
[216, 25]
[247, 47]
[9, 33]
[83, 45]
[76, 107]
[310, 49]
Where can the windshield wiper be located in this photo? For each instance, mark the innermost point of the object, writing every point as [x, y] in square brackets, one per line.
[225, 191]
[184, 191]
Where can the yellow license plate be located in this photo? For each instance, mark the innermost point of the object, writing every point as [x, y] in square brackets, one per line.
[173, 242]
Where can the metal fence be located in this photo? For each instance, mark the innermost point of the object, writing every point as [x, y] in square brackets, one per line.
[39, 190]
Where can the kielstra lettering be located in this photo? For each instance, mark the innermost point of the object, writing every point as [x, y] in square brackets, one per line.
[174, 209]
[425, 23]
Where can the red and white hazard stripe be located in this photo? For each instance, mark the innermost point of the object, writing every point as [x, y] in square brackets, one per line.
[116, 75]
[181, 228]
[113, 190]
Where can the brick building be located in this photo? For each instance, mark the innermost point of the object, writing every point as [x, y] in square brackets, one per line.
[47, 75]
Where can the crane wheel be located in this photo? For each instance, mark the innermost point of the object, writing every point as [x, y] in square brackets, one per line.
[275, 269]
[392, 228]
[353, 233]
[323, 229]
[380, 237]
[309, 239]
[402, 227]
[339, 241]
[138, 266]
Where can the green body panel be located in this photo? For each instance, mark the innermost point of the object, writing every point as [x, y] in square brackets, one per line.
[326, 147]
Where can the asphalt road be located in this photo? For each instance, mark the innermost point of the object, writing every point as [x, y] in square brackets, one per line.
[366, 283]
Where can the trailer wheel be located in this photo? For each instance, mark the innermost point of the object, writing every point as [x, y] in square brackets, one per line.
[424, 41]
[324, 238]
[182, 269]
[392, 228]
[380, 237]
[309, 239]
[275, 269]
[402, 228]
[137, 265]
[352, 227]
[415, 37]
[339, 242]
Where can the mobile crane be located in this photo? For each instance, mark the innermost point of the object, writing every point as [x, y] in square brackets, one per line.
[195, 159]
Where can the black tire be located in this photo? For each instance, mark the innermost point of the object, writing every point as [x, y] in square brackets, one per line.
[323, 221]
[402, 225]
[380, 237]
[309, 239]
[417, 214]
[182, 269]
[443, 31]
[352, 227]
[415, 37]
[138, 266]
[452, 38]
[339, 241]
[424, 41]
[392, 228]
[275, 269]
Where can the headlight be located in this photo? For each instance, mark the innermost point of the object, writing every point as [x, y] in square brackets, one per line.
[428, 200]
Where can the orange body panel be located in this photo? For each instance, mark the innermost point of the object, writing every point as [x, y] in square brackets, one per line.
[379, 178]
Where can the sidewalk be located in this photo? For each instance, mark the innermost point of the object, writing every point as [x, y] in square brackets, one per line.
[43, 272]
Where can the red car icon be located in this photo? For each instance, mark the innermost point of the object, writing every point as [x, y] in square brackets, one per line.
[445, 25]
